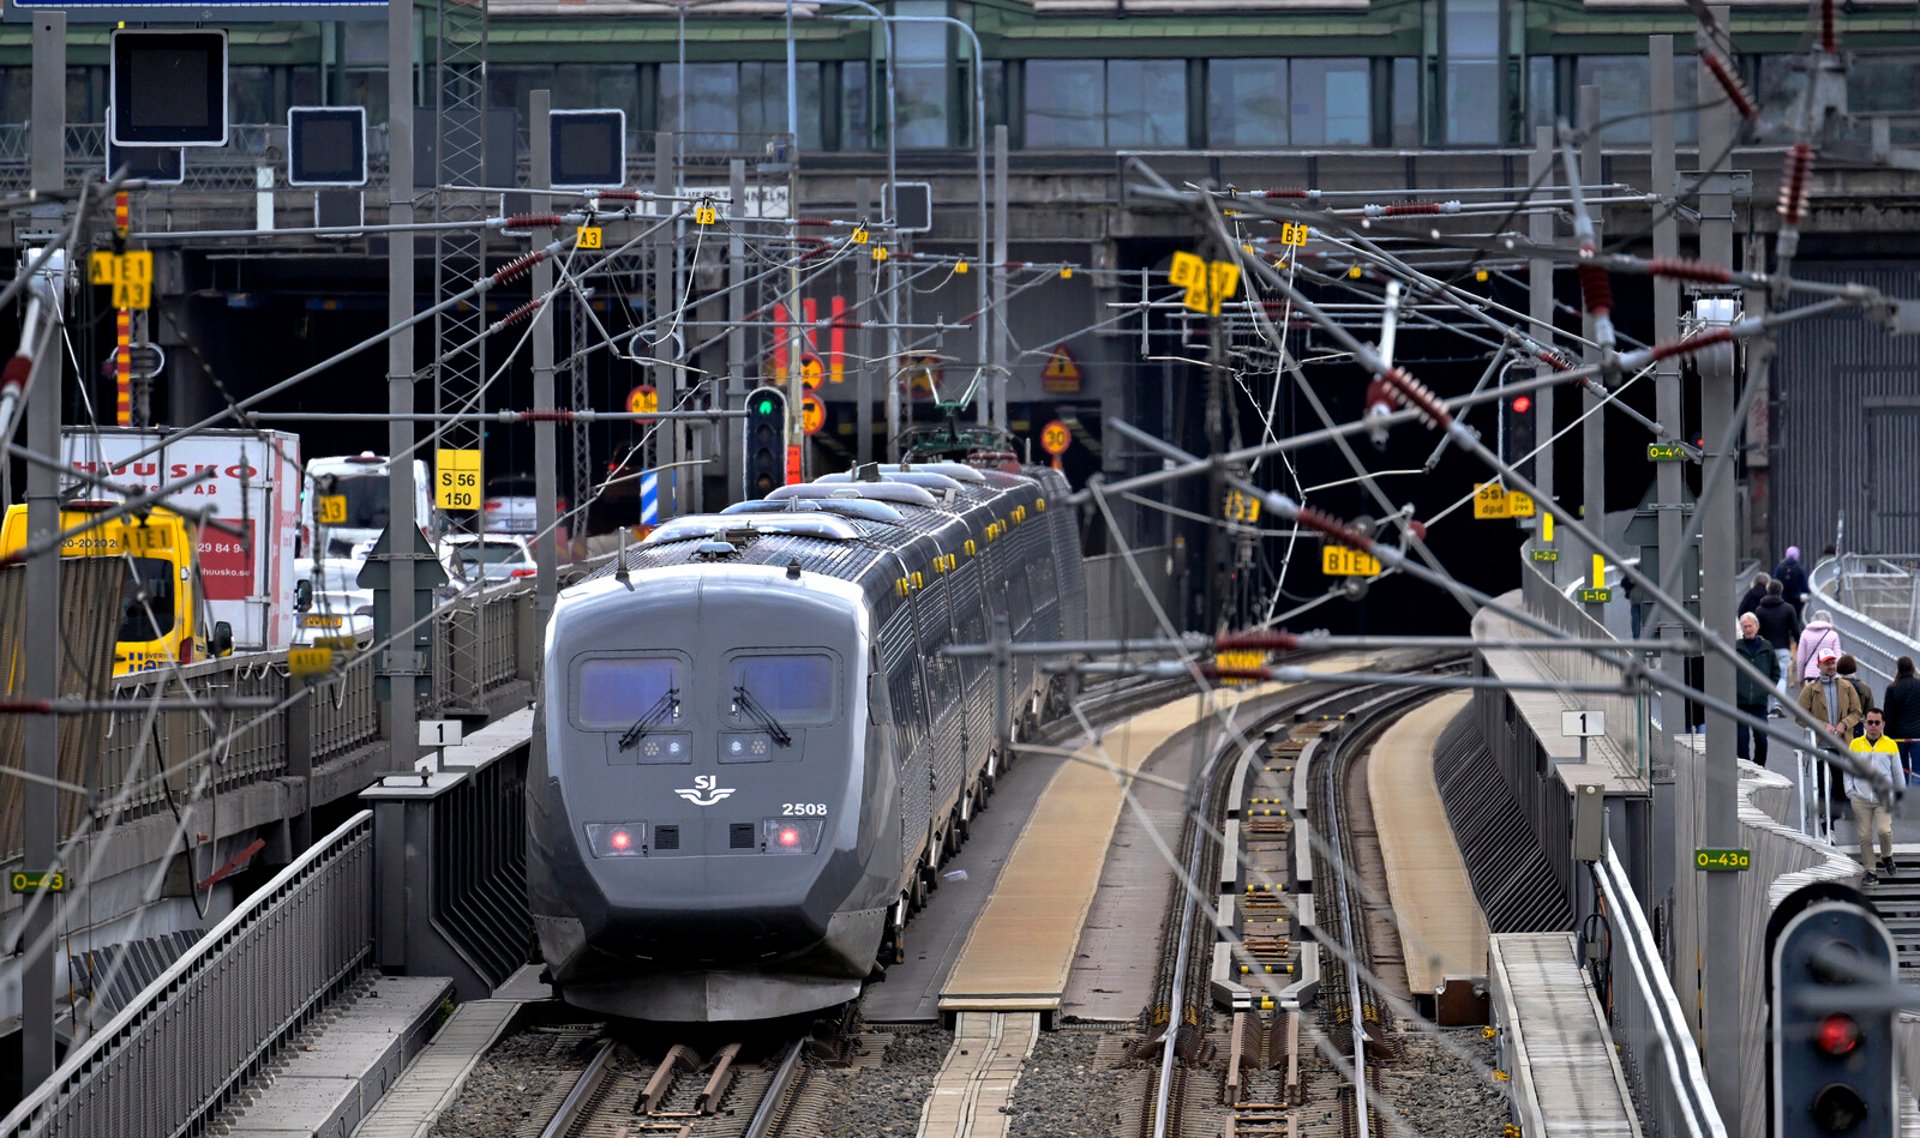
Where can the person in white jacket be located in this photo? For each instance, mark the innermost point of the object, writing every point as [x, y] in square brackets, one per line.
[1818, 639]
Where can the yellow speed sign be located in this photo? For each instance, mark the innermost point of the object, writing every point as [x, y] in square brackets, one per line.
[1055, 438]
[813, 413]
[643, 400]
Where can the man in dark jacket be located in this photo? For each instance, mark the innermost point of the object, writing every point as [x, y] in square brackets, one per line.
[1779, 625]
[1755, 594]
[1849, 669]
[1903, 712]
[1750, 695]
[1793, 580]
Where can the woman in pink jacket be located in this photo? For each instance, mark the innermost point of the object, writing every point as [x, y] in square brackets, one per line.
[1819, 637]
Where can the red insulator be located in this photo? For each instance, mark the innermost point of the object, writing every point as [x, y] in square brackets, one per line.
[1216, 672]
[1829, 39]
[518, 314]
[1596, 290]
[1418, 529]
[1737, 92]
[16, 372]
[1416, 395]
[1556, 361]
[1682, 269]
[1403, 209]
[535, 221]
[1334, 528]
[1793, 187]
[1693, 343]
[617, 195]
[517, 267]
[1285, 193]
[1272, 640]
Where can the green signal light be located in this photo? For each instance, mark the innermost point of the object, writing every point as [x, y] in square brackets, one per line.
[766, 407]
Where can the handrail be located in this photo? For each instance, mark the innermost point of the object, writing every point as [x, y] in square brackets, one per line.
[80, 1065]
[1689, 1081]
[1882, 644]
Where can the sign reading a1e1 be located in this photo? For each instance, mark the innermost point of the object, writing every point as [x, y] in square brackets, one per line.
[1722, 861]
[1582, 724]
[456, 482]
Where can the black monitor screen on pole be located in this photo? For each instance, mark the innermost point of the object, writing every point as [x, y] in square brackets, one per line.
[169, 88]
[158, 166]
[589, 149]
[326, 146]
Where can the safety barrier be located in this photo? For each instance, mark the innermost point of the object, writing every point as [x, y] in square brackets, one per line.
[460, 910]
[1875, 602]
[477, 648]
[207, 1024]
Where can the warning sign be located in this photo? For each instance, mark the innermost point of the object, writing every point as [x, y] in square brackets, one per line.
[812, 413]
[1061, 375]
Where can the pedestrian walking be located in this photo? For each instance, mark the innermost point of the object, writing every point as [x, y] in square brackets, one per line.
[1873, 807]
[1903, 712]
[1780, 626]
[1755, 594]
[1750, 695]
[1831, 700]
[1793, 580]
[1818, 638]
[1849, 670]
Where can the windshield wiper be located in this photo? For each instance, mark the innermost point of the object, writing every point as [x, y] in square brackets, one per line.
[751, 706]
[667, 705]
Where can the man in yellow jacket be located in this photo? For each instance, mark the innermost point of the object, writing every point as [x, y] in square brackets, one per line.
[1872, 806]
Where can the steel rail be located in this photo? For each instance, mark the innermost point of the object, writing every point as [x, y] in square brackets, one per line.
[573, 1108]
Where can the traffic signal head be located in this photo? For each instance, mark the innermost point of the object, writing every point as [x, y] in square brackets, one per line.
[1517, 433]
[766, 443]
[1831, 976]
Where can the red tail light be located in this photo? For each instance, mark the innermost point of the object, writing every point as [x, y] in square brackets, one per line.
[490, 505]
[525, 572]
[186, 651]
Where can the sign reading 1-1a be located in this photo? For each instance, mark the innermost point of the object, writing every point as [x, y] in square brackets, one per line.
[456, 482]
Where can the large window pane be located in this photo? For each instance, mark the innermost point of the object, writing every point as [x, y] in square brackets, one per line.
[1066, 103]
[1472, 71]
[706, 106]
[1247, 102]
[1626, 96]
[595, 86]
[856, 113]
[1541, 108]
[1889, 85]
[1146, 102]
[1406, 102]
[920, 79]
[1332, 105]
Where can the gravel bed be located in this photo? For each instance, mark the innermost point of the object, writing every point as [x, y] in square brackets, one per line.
[855, 1102]
[509, 1085]
[1436, 1093]
[1067, 1092]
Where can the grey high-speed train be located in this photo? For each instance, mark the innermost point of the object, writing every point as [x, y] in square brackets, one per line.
[755, 757]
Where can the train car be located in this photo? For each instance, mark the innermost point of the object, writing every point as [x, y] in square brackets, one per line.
[754, 755]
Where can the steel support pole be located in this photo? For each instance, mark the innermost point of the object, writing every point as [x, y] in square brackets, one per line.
[41, 802]
[1593, 430]
[546, 488]
[1718, 807]
[1000, 338]
[1668, 397]
[404, 667]
[1540, 164]
[862, 296]
[736, 458]
[666, 436]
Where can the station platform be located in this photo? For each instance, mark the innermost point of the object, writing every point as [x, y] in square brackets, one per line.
[1443, 932]
[1023, 947]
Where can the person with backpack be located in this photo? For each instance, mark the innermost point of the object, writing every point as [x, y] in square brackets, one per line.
[1819, 638]
[1780, 627]
[1903, 712]
[1793, 580]
[1849, 669]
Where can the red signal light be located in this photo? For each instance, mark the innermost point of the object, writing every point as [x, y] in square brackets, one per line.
[1522, 404]
[1837, 1035]
[621, 841]
[788, 836]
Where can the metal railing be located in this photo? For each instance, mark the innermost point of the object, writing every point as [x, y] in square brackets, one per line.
[494, 620]
[1657, 1052]
[202, 1029]
[1875, 601]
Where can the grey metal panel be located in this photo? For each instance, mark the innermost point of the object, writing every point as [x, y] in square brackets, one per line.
[1827, 375]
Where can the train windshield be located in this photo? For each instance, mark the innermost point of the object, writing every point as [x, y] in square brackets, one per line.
[795, 688]
[613, 692]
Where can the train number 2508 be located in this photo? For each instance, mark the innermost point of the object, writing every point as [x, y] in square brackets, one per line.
[803, 809]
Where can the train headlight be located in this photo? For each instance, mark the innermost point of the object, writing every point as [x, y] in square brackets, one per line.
[616, 839]
[746, 747]
[790, 835]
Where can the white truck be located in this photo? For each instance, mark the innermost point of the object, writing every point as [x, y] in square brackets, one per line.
[333, 607]
[255, 485]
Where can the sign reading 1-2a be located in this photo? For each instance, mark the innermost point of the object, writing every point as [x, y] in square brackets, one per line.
[456, 482]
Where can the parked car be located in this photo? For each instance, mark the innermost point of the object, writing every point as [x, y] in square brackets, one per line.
[329, 604]
[511, 506]
[495, 556]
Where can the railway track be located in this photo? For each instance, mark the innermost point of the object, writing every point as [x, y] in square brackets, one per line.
[637, 1089]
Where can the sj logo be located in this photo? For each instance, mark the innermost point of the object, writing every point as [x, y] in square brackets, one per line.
[705, 791]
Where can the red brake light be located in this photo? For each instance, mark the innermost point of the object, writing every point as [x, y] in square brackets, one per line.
[621, 841]
[490, 504]
[1837, 1035]
[186, 651]
[788, 836]
[525, 572]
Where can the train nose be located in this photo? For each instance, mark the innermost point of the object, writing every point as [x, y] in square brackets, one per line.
[725, 939]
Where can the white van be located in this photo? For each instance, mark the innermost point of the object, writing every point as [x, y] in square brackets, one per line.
[362, 480]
